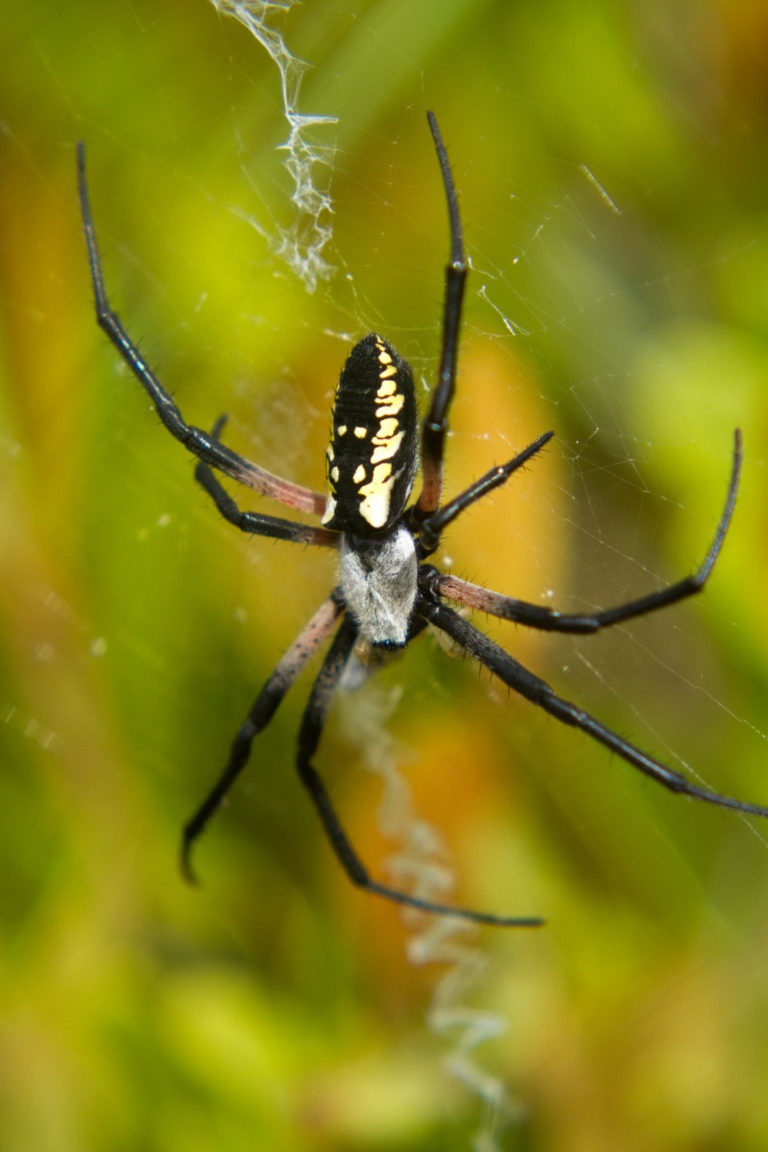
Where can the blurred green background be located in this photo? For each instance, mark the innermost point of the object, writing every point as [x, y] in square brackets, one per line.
[274, 1008]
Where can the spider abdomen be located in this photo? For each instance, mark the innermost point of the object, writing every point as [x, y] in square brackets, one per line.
[373, 453]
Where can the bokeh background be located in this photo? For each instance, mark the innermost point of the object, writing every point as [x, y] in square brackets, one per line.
[610, 160]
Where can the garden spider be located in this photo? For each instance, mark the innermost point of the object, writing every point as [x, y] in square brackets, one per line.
[387, 592]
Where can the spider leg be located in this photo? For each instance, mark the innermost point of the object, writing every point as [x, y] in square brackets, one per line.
[309, 735]
[255, 522]
[436, 423]
[532, 688]
[549, 620]
[429, 535]
[197, 441]
[264, 708]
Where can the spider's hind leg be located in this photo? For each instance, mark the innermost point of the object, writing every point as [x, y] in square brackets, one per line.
[254, 522]
[435, 426]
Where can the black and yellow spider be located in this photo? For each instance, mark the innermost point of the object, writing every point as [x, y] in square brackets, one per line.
[387, 592]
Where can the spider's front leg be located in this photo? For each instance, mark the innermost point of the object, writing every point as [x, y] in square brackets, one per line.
[312, 725]
[476, 644]
[264, 708]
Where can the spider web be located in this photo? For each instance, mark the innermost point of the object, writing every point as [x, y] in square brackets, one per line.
[552, 307]
[419, 864]
[613, 298]
[302, 244]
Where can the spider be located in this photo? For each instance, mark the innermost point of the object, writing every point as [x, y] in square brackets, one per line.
[387, 591]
